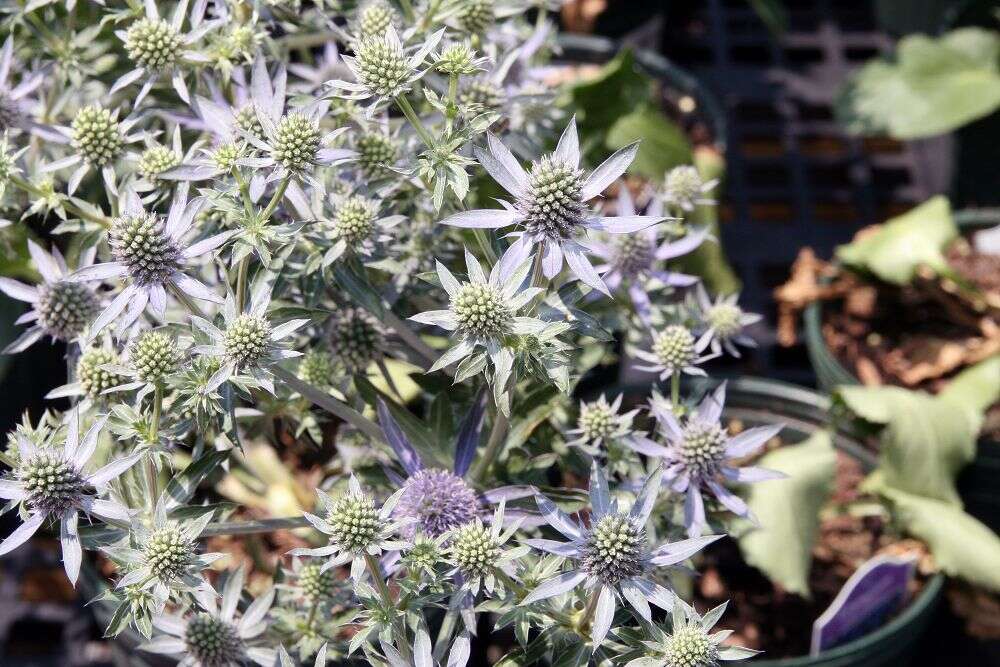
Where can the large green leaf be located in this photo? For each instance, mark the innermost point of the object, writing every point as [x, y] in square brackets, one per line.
[904, 243]
[977, 387]
[599, 101]
[663, 144]
[933, 86]
[925, 441]
[962, 546]
[788, 511]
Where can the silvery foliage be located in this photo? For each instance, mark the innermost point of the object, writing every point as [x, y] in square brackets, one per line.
[269, 225]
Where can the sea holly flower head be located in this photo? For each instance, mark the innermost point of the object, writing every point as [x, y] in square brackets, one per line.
[483, 313]
[163, 556]
[377, 152]
[599, 423]
[550, 205]
[683, 187]
[478, 555]
[96, 372]
[159, 48]
[317, 367]
[611, 556]
[635, 261]
[381, 67]
[691, 642]
[674, 349]
[214, 637]
[355, 527]
[60, 308]
[98, 139]
[355, 339]
[375, 17]
[150, 253]
[51, 483]
[723, 322]
[699, 455]
[459, 58]
[249, 344]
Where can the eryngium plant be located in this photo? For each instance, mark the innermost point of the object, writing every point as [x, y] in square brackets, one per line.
[288, 303]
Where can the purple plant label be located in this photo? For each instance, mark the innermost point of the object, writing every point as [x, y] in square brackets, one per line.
[873, 593]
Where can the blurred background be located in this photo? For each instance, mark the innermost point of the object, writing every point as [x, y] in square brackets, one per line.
[760, 86]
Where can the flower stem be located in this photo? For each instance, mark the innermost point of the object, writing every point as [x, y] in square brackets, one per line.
[275, 199]
[498, 436]
[588, 612]
[407, 8]
[192, 307]
[409, 336]
[241, 282]
[244, 192]
[675, 390]
[487, 247]
[383, 590]
[329, 403]
[312, 614]
[411, 115]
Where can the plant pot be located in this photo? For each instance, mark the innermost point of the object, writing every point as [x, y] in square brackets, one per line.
[978, 483]
[803, 411]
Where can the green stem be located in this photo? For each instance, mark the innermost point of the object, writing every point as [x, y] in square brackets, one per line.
[428, 19]
[329, 403]
[192, 307]
[69, 206]
[498, 436]
[253, 527]
[312, 614]
[588, 612]
[407, 8]
[411, 115]
[244, 192]
[675, 390]
[241, 282]
[409, 336]
[487, 247]
[275, 199]
[386, 594]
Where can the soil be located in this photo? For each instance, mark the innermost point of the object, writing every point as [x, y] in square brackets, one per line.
[921, 335]
[765, 617]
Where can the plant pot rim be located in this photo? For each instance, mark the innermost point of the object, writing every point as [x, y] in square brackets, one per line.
[829, 371]
[660, 68]
[806, 409]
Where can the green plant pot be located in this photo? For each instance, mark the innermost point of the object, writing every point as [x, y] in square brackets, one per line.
[979, 483]
[755, 400]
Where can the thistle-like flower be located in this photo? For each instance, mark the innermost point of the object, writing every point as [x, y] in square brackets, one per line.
[699, 455]
[689, 642]
[357, 226]
[381, 67]
[159, 48]
[611, 556]
[48, 483]
[374, 18]
[355, 338]
[60, 308]
[317, 368]
[214, 637]
[674, 349]
[150, 358]
[483, 313]
[356, 528]
[635, 260]
[723, 322]
[683, 187]
[478, 555]
[435, 501]
[150, 253]
[475, 16]
[550, 205]
[250, 344]
[599, 423]
[290, 141]
[15, 105]
[99, 139]
[163, 557]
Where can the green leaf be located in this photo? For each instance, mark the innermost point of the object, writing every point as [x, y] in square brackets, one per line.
[904, 243]
[962, 546]
[925, 441]
[788, 511]
[935, 85]
[663, 144]
[181, 487]
[600, 100]
[977, 387]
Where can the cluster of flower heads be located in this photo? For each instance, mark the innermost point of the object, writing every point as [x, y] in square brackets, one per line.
[245, 223]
